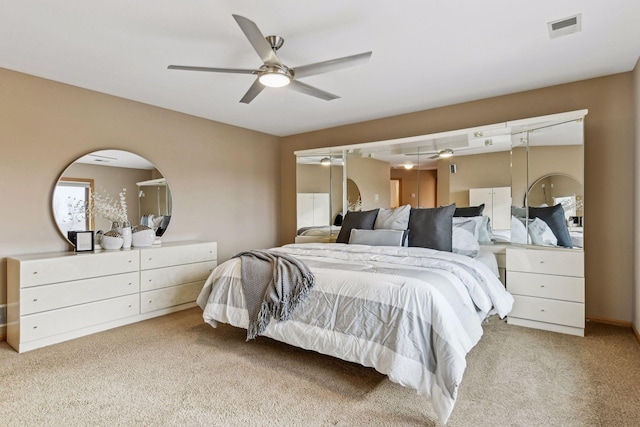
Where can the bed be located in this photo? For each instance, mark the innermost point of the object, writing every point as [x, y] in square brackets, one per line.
[411, 313]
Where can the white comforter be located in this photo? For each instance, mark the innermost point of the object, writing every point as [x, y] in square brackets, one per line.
[410, 313]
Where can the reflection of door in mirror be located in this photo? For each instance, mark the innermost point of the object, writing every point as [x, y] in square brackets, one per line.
[71, 197]
[395, 189]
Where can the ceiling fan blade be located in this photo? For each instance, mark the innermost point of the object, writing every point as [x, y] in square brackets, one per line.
[212, 70]
[310, 90]
[331, 65]
[435, 156]
[257, 40]
[253, 91]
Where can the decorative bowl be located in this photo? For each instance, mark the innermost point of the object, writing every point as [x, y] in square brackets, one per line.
[111, 243]
[143, 238]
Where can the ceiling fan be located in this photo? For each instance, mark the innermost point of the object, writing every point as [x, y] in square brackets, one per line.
[273, 73]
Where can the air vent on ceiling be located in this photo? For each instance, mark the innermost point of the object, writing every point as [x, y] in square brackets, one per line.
[565, 26]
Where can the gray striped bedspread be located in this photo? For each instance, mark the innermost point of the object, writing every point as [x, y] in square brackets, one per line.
[413, 314]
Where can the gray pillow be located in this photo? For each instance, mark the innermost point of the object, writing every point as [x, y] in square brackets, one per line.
[362, 220]
[393, 219]
[554, 217]
[432, 227]
[469, 211]
[377, 237]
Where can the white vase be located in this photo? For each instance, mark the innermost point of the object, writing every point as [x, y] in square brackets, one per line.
[126, 235]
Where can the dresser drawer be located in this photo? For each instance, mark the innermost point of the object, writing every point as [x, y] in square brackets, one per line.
[168, 297]
[49, 297]
[546, 286]
[76, 266]
[176, 255]
[49, 323]
[177, 275]
[548, 310]
[561, 262]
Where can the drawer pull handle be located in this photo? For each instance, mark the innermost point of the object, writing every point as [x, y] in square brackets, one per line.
[35, 272]
[129, 305]
[542, 286]
[150, 258]
[130, 283]
[541, 262]
[35, 327]
[35, 299]
[542, 310]
[130, 261]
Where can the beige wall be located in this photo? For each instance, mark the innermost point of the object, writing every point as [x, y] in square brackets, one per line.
[372, 178]
[224, 179]
[609, 187]
[477, 171]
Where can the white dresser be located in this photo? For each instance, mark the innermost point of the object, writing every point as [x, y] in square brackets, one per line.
[60, 296]
[548, 288]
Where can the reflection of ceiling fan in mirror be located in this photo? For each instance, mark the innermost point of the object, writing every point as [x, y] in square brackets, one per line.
[470, 144]
[273, 73]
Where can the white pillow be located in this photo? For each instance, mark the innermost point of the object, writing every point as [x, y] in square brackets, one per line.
[518, 231]
[483, 231]
[463, 238]
[541, 234]
[377, 237]
[393, 219]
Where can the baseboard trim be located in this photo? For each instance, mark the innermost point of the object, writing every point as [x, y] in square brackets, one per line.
[622, 323]
[614, 322]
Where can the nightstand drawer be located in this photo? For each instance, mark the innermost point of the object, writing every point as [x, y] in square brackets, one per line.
[548, 310]
[561, 262]
[546, 286]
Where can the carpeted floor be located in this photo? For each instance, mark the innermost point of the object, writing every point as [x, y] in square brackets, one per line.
[175, 370]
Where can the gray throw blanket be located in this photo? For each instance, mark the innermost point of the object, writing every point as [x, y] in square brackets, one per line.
[273, 284]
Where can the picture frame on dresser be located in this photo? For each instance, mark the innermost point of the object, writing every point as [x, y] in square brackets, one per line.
[82, 241]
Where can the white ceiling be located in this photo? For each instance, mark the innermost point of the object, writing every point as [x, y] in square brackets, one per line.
[426, 53]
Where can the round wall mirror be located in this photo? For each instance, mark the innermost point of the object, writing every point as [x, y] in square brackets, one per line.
[126, 178]
[552, 189]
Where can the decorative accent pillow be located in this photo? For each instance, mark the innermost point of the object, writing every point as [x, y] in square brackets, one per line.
[432, 227]
[393, 219]
[363, 220]
[469, 211]
[541, 234]
[377, 237]
[463, 238]
[555, 219]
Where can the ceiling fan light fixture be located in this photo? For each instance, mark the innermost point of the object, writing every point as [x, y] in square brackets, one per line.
[325, 161]
[445, 153]
[274, 77]
[408, 166]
